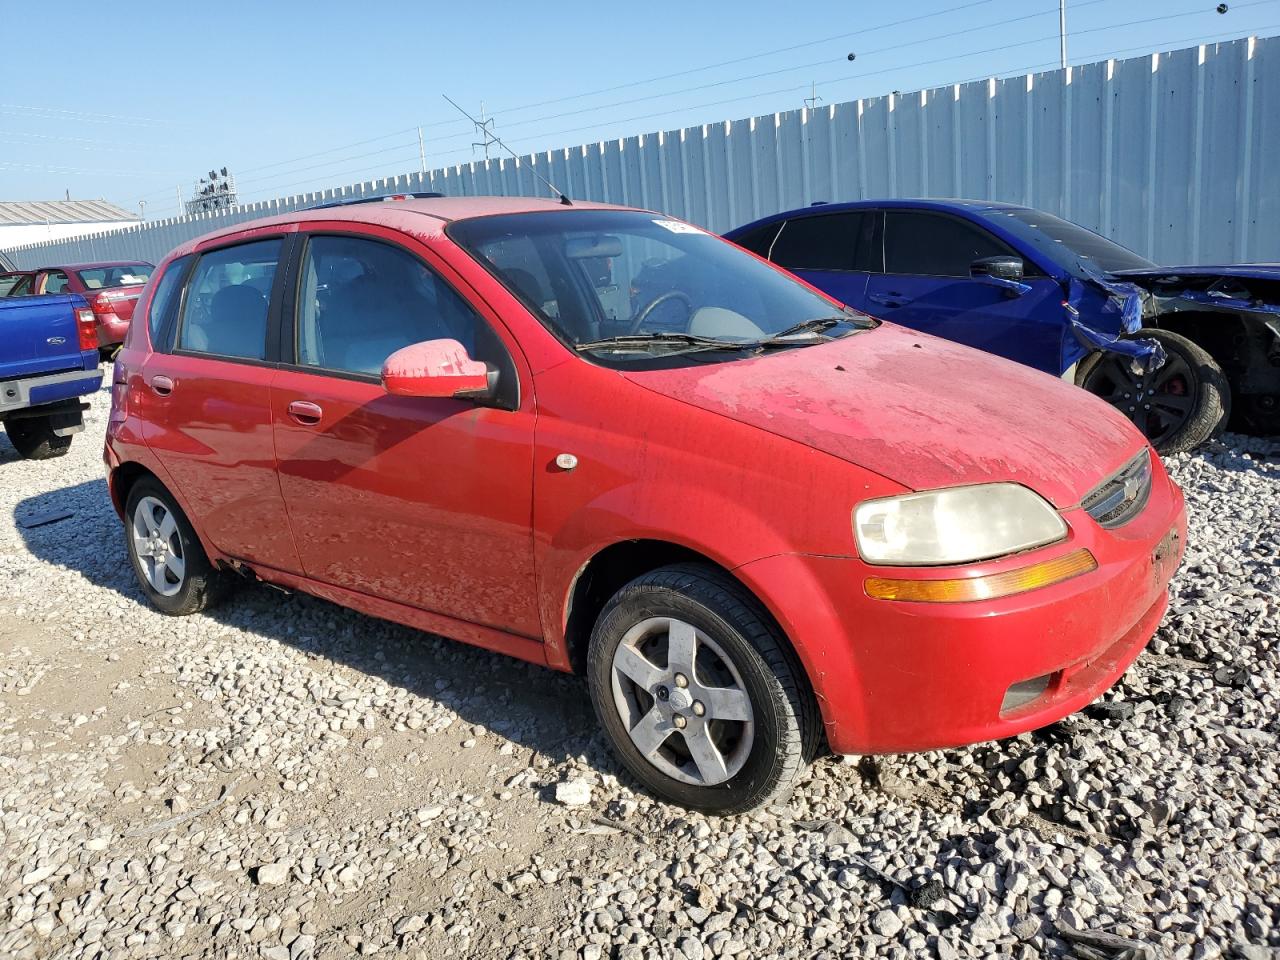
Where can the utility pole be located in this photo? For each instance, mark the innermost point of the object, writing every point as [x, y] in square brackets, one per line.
[422, 154]
[485, 129]
[813, 99]
[1062, 31]
[178, 191]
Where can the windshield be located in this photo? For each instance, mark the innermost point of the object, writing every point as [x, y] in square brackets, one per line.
[626, 286]
[1067, 243]
[117, 275]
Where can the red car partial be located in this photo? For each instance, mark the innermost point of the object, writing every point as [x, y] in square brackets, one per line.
[762, 524]
[111, 289]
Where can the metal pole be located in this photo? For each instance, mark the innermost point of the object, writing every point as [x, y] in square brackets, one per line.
[142, 209]
[178, 191]
[422, 154]
[1062, 31]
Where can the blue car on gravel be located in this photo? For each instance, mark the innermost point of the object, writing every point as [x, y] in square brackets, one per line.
[1171, 347]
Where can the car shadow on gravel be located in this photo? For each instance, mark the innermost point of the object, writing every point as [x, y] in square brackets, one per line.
[543, 711]
[7, 453]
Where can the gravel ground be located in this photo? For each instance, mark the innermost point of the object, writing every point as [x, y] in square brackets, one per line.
[286, 779]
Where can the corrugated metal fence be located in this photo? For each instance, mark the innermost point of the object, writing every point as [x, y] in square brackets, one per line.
[1172, 154]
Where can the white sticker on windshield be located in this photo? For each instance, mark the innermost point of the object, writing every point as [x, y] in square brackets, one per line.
[675, 226]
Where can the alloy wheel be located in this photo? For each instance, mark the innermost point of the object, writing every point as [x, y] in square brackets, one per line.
[683, 701]
[157, 545]
[1157, 401]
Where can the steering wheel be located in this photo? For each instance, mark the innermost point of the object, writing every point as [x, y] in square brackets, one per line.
[643, 313]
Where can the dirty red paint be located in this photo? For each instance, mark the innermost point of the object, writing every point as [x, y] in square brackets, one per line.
[454, 517]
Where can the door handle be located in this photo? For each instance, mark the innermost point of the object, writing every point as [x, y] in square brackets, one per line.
[889, 299]
[162, 385]
[305, 412]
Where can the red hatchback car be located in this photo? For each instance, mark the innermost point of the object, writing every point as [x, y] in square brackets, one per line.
[604, 440]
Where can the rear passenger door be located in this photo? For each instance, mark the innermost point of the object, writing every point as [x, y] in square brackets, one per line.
[926, 285]
[426, 502]
[208, 385]
[832, 251]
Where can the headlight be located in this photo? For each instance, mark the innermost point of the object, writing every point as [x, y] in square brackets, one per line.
[957, 525]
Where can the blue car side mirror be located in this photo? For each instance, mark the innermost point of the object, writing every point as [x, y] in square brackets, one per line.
[1003, 272]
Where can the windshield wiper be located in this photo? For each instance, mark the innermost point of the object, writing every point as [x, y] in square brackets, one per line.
[815, 329]
[677, 339]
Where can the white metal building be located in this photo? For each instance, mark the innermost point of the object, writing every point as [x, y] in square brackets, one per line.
[23, 222]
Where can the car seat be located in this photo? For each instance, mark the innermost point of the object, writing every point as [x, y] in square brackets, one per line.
[236, 325]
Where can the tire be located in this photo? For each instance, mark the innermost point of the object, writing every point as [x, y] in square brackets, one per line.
[1177, 407]
[200, 586]
[744, 666]
[34, 439]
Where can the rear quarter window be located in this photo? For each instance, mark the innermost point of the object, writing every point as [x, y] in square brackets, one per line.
[833, 241]
[760, 239]
[165, 299]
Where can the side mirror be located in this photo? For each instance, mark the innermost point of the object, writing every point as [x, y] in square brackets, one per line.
[437, 368]
[999, 268]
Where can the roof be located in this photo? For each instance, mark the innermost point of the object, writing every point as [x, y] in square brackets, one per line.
[99, 263]
[439, 210]
[14, 212]
[899, 203]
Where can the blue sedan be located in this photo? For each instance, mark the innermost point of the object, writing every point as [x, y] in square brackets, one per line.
[1168, 346]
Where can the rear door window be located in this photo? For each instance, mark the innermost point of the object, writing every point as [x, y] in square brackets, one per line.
[225, 312]
[55, 281]
[361, 300]
[935, 245]
[833, 241]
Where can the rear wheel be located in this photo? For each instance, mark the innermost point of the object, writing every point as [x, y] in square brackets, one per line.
[701, 698]
[34, 438]
[1178, 406]
[169, 562]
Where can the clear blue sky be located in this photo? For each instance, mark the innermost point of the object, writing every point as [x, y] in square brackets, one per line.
[128, 101]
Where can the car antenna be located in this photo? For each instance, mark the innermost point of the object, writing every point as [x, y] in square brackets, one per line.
[498, 140]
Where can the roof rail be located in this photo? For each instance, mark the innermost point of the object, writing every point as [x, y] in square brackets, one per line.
[388, 197]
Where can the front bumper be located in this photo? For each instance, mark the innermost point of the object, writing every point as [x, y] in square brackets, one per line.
[896, 676]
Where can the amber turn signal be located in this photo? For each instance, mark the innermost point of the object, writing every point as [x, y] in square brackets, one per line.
[990, 587]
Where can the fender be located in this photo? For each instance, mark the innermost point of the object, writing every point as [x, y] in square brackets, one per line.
[697, 519]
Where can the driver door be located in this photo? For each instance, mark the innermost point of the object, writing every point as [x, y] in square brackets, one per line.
[421, 501]
[926, 285]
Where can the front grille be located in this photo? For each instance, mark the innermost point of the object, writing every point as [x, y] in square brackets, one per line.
[1121, 497]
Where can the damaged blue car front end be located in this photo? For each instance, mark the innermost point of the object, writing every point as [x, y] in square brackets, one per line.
[1171, 348]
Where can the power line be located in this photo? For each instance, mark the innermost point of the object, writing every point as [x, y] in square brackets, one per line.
[863, 75]
[79, 171]
[755, 56]
[801, 66]
[841, 79]
[635, 83]
[75, 116]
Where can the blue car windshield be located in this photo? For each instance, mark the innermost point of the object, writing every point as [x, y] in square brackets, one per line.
[1081, 251]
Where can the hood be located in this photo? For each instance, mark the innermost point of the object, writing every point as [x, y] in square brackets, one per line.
[918, 410]
[1257, 271]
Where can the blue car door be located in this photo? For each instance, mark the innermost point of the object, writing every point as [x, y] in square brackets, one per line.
[926, 285]
[832, 251]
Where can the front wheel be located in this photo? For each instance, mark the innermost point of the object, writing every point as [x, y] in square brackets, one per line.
[34, 438]
[1178, 406]
[702, 699]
